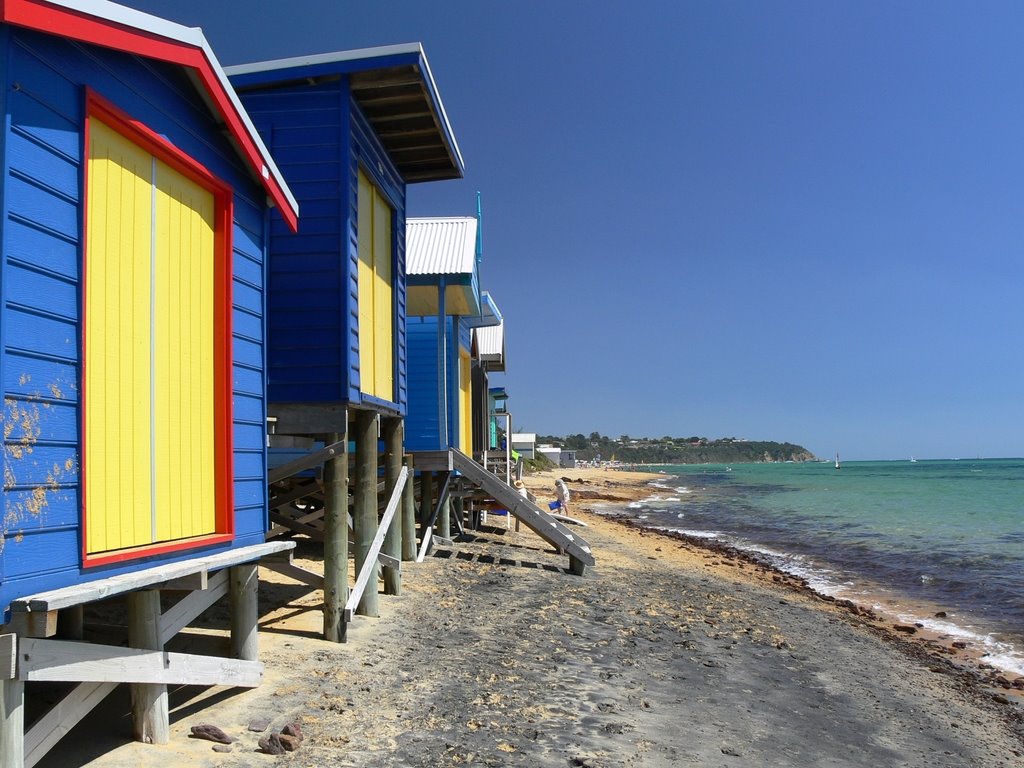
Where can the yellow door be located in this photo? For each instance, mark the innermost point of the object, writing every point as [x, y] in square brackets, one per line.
[465, 405]
[376, 303]
[118, 375]
[183, 371]
[149, 465]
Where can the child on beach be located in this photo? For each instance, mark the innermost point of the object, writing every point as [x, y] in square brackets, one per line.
[562, 492]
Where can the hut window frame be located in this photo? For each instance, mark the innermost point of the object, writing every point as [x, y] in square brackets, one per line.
[162, 150]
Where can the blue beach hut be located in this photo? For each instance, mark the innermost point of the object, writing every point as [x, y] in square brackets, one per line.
[351, 130]
[445, 305]
[136, 197]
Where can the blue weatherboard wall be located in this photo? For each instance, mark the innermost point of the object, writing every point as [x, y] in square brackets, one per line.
[320, 139]
[41, 147]
[421, 423]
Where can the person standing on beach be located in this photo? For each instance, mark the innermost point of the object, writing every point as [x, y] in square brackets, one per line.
[562, 492]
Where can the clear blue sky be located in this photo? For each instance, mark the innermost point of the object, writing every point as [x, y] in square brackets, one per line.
[795, 221]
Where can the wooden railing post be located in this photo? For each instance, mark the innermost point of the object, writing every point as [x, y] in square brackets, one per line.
[336, 541]
[243, 596]
[409, 514]
[150, 715]
[364, 517]
[394, 439]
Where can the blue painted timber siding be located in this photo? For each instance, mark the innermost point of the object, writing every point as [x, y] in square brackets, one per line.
[40, 235]
[421, 424]
[320, 139]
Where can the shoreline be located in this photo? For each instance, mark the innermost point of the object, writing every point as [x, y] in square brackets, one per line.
[937, 645]
[665, 653]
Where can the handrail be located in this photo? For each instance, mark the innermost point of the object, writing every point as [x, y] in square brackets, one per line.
[370, 563]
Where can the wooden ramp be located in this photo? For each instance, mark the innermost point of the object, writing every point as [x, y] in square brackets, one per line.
[535, 518]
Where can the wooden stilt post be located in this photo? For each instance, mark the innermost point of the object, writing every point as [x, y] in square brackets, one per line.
[426, 500]
[444, 527]
[409, 515]
[70, 622]
[243, 595]
[150, 716]
[12, 706]
[364, 517]
[394, 440]
[336, 541]
[458, 509]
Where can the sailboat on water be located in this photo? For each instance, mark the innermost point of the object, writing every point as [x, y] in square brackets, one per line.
[838, 466]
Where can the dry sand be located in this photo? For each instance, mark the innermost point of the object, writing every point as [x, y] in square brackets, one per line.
[664, 654]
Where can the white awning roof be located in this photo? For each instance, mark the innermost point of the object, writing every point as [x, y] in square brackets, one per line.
[440, 246]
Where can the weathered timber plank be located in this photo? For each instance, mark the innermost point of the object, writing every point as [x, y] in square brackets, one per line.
[301, 464]
[308, 419]
[294, 494]
[60, 660]
[295, 572]
[185, 611]
[433, 461]
[8, 656]
[115, 585]
[61, 718]
[198, 580]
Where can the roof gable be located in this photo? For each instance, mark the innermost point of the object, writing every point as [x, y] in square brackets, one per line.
[395, 89]
[109, 25]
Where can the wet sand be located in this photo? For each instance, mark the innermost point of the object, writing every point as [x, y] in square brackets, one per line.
[665, 653]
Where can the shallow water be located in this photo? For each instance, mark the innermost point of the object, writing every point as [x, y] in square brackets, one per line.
[910, 538]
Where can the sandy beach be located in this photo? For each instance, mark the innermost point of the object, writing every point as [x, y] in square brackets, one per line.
[666, 653]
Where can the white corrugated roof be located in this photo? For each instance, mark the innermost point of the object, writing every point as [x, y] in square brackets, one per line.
[491, 339]
[440, 246]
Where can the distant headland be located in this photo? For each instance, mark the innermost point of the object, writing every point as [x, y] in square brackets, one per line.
[677, 450]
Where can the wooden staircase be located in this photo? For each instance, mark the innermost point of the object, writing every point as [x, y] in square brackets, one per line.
[535, 518]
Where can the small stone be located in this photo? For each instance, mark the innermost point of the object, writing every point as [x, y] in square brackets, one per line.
[210, 733]
[960, 644]
[259, 725]
[293, 729]
[730, 751]
[908, 629]
[272, 744]
[222, 748]
[290, 743]
[940, 615]
[1000, 699]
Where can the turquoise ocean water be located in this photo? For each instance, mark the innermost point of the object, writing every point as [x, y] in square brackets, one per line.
[909, 538]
